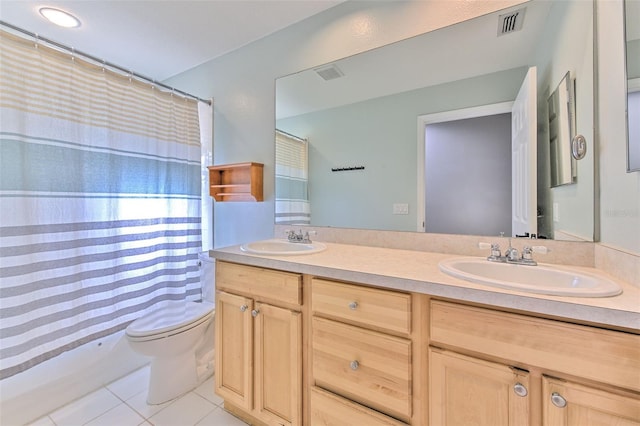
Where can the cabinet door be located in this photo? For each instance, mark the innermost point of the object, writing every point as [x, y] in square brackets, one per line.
[234, 349]
[470, 391]
[571, 404]
[278, 365]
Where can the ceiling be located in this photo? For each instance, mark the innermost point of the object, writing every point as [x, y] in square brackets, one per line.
[479, 50]
[161, 38]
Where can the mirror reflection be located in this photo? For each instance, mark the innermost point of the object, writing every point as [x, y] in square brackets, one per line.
[632, 30]
[561, 132]
[363, 122]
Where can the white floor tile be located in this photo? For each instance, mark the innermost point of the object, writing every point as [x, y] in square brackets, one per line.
[219, 417]
[43, 421]
[187, 410]
[85, 409]
[139, 403]
[206, 390]
[122, 415]
[132, 384]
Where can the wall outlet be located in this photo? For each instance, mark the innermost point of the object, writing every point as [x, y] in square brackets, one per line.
[556, 212]
[401, 208]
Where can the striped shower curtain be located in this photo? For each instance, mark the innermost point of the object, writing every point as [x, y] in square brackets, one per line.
[99, 201]
[292, 180]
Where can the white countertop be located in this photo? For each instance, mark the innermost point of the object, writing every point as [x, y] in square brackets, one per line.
[418, 272]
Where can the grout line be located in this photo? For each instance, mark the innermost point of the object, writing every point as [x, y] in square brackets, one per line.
[215, 407]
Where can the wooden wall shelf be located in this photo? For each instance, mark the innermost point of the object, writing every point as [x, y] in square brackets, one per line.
[236, 182]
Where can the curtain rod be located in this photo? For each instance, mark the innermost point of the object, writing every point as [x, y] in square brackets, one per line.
[298, 138]
[75, 52]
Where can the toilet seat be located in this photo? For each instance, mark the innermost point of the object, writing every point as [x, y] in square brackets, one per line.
[173, 318]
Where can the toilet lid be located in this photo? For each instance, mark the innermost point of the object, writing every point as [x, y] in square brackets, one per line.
[173, 315]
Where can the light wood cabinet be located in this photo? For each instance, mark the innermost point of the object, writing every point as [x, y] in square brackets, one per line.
[371, 368]
[570, 404]
[259, 355]
[578, 375]
[469, 391]
[328, 409]
[236, 182]
[362, 354]
[340, 354]
[278, 365]
[373, 308]
[234, 349]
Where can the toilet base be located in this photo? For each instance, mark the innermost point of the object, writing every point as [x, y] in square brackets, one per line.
[171, 377]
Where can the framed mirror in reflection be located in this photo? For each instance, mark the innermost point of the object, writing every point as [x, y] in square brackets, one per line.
[632, 45]
[561, 133]
[373, 110]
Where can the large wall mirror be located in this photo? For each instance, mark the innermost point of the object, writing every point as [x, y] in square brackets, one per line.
[360, 142]
[632, 35]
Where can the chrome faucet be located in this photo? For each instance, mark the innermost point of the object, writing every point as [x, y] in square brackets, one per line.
[511, 253]
[299, 237]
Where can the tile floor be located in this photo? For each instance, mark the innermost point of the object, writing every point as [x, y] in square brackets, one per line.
[123, 403]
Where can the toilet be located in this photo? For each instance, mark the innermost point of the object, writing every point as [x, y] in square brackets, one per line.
[177, 336]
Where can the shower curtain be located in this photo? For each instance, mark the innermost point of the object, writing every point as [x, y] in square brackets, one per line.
[99, 201]
[292, 180]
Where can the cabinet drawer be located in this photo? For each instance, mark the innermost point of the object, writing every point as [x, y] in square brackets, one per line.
[605, 356]
[259, 283]
[371, 368]
[328, 409]
[370, 307]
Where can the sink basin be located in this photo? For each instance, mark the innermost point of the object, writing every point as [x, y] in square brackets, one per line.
[541, 279]
[282, 247]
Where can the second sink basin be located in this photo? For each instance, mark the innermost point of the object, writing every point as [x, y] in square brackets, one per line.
[282, 247]
[534, 279]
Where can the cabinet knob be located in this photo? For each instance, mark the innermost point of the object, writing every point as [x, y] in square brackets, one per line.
[353, 305]
[243, 308]
[354, 365]
[558, 400]
[255, 313]
[520, 390]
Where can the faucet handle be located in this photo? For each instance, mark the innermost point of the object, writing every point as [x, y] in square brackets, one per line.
[496, 255]
[307, 234]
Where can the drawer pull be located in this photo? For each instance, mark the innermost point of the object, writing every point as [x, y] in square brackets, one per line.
[520, 390]
[353, 306]
[354, 365]
[558, 400]
[243, 308]
[255, 313]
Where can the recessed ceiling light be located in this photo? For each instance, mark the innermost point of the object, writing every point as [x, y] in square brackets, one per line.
[59, 17]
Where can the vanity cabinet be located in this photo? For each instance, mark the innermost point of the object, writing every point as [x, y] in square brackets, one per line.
[529, 370]
[294, 349]
[361, 354]
[259, 343]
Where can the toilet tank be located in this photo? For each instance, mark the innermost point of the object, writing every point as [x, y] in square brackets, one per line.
[207, 276]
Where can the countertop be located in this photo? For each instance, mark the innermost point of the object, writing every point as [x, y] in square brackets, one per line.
[418, 272]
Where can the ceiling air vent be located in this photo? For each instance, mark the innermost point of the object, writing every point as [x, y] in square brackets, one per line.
[329, 72]
[511, 22]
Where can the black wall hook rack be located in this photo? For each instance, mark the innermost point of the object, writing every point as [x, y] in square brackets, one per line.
[346, 169]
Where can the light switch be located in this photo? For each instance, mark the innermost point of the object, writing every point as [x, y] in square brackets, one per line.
[401, 208]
